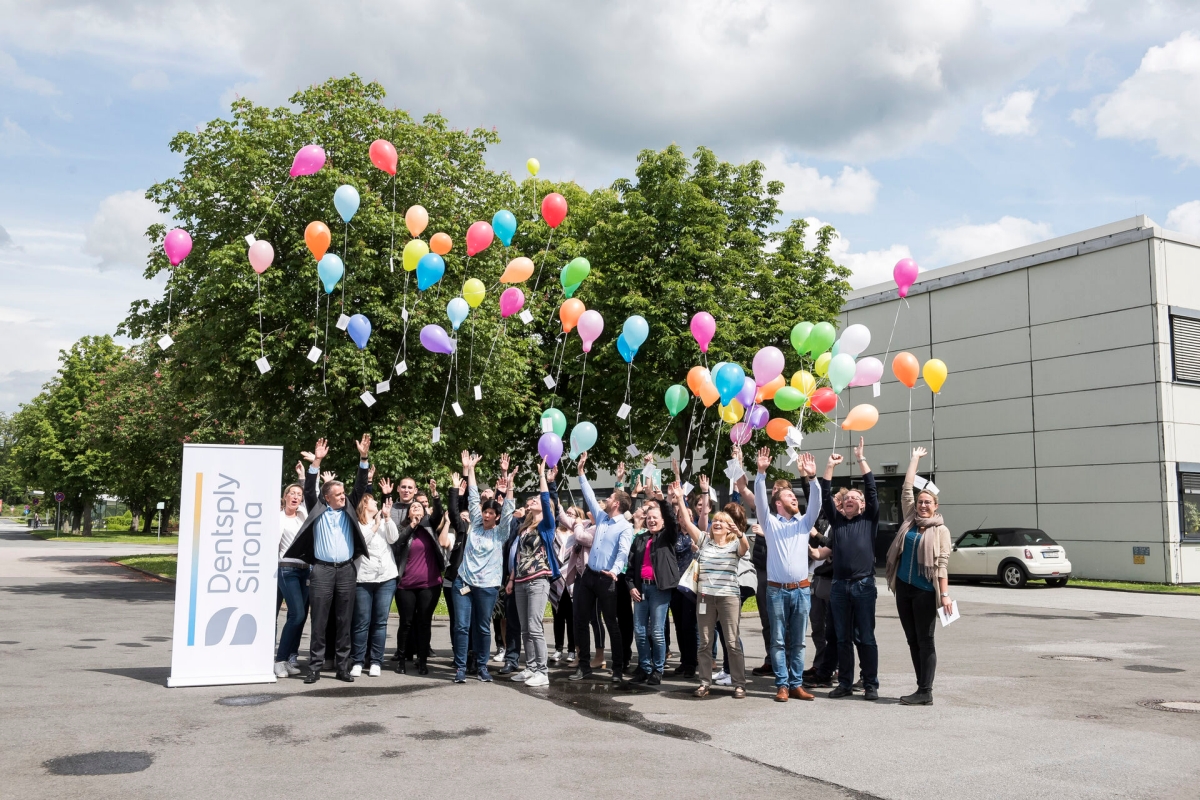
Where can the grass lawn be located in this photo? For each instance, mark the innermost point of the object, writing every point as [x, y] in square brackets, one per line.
[1129, 586]
[106, 536]
[164, 565]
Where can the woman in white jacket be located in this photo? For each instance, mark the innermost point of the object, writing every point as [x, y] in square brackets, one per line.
[377, 576]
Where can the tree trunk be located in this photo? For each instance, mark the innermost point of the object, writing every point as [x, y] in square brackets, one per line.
[76, 517]
[88, 509]
[133, 522]
[147, 519]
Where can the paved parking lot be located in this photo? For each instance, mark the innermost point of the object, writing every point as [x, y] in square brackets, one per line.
[85, 650]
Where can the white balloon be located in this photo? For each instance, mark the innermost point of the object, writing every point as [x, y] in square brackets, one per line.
[855, 339]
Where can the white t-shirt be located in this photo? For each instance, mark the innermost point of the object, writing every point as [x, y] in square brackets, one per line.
[288, 528]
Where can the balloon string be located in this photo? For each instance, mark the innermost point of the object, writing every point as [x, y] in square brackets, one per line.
[910, 420]
[364, 369]
[893, 333]
[491, 349]
[392, 249]
[629, 417]
[447, 395]
[545, 252]
[471, 356]
[261, 350]
[658, 441]
[456, 370]
[268, 211]
[170, 297]
[933, 438]
[582, 378]
[317, 314]
[346, 277]
[553, 360]
[325, 356]
[716, 449]
[407, 317]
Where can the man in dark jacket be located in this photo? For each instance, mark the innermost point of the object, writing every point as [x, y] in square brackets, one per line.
[330, 540]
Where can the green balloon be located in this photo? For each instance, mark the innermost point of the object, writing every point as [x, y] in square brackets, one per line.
[573, 273]
[788, 399]
[800, 335]
[676, 399]
[558, 419]
[820, 339]
[570, 290]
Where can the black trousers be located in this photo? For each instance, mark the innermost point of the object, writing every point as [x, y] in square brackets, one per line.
[331, 596]
[918, 616]
[764, 612]
[827, 661]
[564, 622]
[596, 590]
[512, 630]
[683, 611]
[416, 617]
[817, 619]
[625, 620]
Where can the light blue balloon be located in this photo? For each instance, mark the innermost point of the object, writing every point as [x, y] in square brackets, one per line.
[837, 348]
[729, 381]
[583, 436]
[626, 350]
[457, 310]
[330, 270]
[504, 225]
[359, 330]
[346, 201]
[635, 330]
[430, 270]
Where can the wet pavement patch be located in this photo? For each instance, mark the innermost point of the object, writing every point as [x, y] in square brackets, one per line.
[359, 729]
[364, 691]
[1090, 659]
[93, 640]
[249, 699]
[441, 736]
[102, 762]
[8, 642]
[274, 733]
[81, 647]
[599, 700]
[156, 638]
[131, 644]
[390, 754]
[1152, 668]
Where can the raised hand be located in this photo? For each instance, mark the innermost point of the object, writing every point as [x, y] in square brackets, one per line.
[621, 472]
[385, 486]
[919, 452]
[387, 507]
[703, 483]
[764, 459]
[300, 470]
[582, 460]
[328, 476]
[858, 449]
[364, 446]
[504, 462]
[552, 473]
[466, 461]
[637, 487]
[808, 465]
[371, 474]
[455, 479]
[834, 460]
[432, 488]
[307, 456]
[542, 468]
[321, 449]
[736, 452]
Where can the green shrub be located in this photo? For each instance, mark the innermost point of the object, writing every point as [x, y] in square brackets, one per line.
[121, 523]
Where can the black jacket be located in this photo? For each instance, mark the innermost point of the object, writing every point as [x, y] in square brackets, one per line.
[430, 524]
[450, 570]
[302, 547]
[667, 570]
[853, 540]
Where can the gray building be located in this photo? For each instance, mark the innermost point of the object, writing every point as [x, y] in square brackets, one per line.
[1073, 401]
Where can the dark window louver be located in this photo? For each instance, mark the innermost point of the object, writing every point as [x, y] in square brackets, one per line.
[1189, 482]
[1185, 348]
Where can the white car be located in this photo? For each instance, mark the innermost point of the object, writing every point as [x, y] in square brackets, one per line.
[1012, 556]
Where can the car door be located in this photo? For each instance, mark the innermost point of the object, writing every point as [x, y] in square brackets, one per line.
[969, 557]
[1003, 545]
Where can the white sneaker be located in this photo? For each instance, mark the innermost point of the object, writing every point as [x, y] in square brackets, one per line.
[723, 678]
[281, 670]
[558, 657]
[522, 676]
[499, 657]
[375, 671]
[292, 667]
[356, 671]
[538, 679]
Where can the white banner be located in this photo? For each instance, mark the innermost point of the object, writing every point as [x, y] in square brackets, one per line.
[228, 562]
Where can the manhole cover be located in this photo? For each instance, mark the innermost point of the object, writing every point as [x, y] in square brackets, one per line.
[249, 699]
[1177, 706]
[103, 762]
[1157, 670]
[1076, 658]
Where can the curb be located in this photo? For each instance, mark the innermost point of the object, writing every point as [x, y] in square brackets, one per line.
[154, 575]
[1132, 591]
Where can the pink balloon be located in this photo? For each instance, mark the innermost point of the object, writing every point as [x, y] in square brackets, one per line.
[177, 245]
[703, 328]
[261, 255]
[590, 326]
[308, 161]
[768, 365]
[905, 274]
[479, 237]
[740, 433]
[867, 371]
[512, 300]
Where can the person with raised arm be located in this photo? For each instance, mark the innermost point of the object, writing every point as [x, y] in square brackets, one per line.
[293, 578]
[536, 567]
[376, 585]
[420, 561]
[652, 573]
[786, 532]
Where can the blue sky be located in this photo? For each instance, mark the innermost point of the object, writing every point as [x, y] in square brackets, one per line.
[944, 129]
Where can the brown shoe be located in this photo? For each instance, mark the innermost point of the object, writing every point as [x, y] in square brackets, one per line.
[739, 693]
[701, 691]
[800, 694]
[781, 695]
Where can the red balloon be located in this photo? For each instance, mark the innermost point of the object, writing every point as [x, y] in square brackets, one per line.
[383, 155]
[823, 400]
[554, 209]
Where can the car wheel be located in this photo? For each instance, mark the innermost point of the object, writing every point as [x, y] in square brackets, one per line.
[1013, 575]
[1056, 581]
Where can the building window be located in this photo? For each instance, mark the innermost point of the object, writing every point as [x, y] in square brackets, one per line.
[1185, 348]
[1189, 505]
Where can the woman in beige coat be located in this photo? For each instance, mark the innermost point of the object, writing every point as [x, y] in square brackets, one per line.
[916, 574]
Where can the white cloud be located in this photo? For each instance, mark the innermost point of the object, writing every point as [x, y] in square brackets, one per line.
[1185, 218]
[867, 269]
[1010, 117]
[6, 240]
[1159, 102]
[14, 140]
[12, 75]
[1023, 15]
[117, 235]
[150, 80]
[965, 242]
[806, 189]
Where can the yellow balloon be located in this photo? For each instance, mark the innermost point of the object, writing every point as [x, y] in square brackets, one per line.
[804, 383]
[733, 412]
[822, 365]
[473, 292]
[533, 165]
[935, 373]
[413, 251]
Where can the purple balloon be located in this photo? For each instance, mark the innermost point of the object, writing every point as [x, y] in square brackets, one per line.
[740, 433]
[435, 339]
[550, 447]
[746, 395]
[768, 365]
[308, 161]
[758, 417]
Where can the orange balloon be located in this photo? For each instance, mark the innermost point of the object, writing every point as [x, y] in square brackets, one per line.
[769, 389]
[441, 243]
[709, 394]
[316, 236]
[416, 218]
[697, 377]
[518, 270]
[570, 312]
[777, 428]
[861, 418]
[906, 369]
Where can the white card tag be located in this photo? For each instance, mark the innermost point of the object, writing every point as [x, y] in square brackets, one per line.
[367, 398]
[930, 486]
[165, 341]
[391, 264]
[250, 240]
[383, 386]
[526, 317]
[437, 435]
[702, 608]
[633, 450]
[712, 494]
[478, 391]
[687, 488]
[875, 389]
[458, 412]
[547, 425]
[314, 354]
[343, 322]
[734, 472]
[794, 437]
[683, 466]
[549, 382]
[624, 410]
[792, 455]
[263, 365]
[919, 482]
[401, 368]
[404, 314]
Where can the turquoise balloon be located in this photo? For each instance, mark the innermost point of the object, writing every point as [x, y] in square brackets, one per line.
[583, 436]
[345, 200]
[457, 310]
[330, 270]
[635, 331]
[430, 270]
[557, 419]
[841, 371]
[504, 225]
[730, 379]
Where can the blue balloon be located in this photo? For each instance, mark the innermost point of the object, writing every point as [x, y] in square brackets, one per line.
[626, 350]
[359, 330]
[729, 381]
[345, 200]
[837, 348]
[635, 330]
[430, 270]
[330, 270]
[457, 310]
[504, 225]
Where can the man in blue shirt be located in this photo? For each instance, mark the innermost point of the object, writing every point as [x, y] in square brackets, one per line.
[598, 583]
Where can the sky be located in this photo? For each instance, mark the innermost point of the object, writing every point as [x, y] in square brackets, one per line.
[937, 129]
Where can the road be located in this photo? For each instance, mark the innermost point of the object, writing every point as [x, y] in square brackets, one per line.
[86, 653]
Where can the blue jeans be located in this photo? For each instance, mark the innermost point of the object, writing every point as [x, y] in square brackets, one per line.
[853, 604]
[372, 604]
[473, 622]
[789, 619]
[650, 626]
[293, 590]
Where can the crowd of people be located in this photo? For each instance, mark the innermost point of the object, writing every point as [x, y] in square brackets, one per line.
[612, 572]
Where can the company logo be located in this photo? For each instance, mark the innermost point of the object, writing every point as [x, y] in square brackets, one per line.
[243, 633]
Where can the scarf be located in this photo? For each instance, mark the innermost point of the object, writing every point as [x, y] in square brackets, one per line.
[926, 547]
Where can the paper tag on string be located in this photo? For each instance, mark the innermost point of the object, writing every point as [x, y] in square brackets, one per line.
[526, 317]
[437, 435]
[794, 437]
[478, 391]
[875, 389]
[712, 494]
[919, 482]
[367, 398]
[624, 410]
[549, 382]
[343, 322]
[401, 368]
[683, 466]
[734, 470]
[263, 365]
[792, 456]
[687, 489]
[383, 386]
[547, 425]
[458, 412]
[250, 240]
[930, 486]
[165, 341]
[391, 264]
[314, 354]
[633, 450]
[404, 314]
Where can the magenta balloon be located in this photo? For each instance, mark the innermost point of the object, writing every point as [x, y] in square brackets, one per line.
[435, 339]
[550, 447]
[308, 161]
[177, 245]
[512, 300]
[740, 433]
[905, 274]
[590, 326]
[758, 417]
[746, 395]
[703, 328]
[768, 365]
[867, 371]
